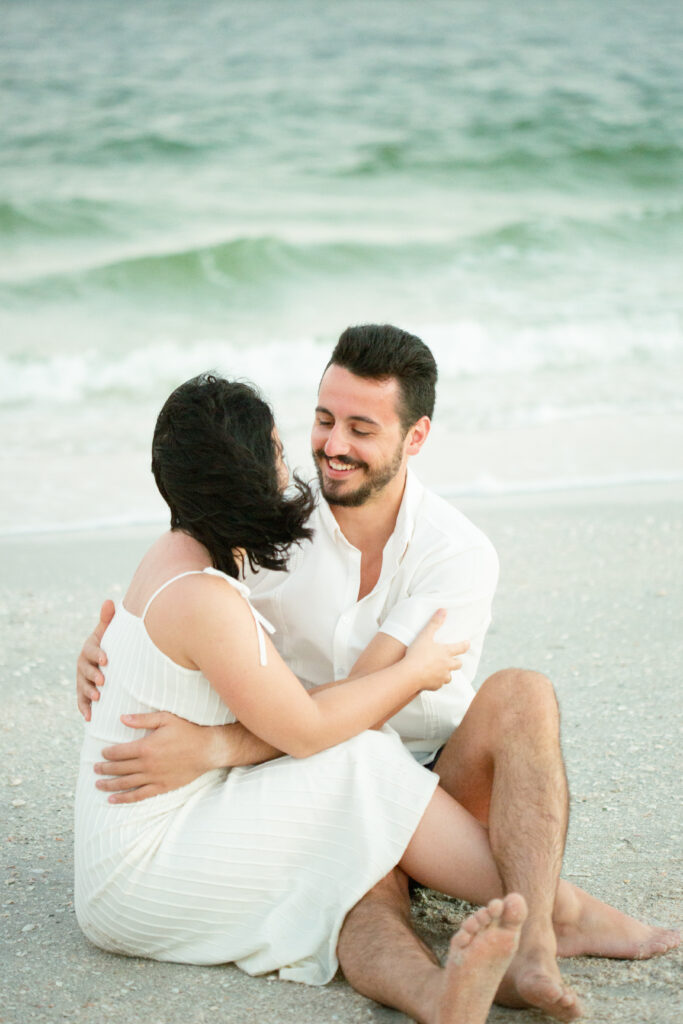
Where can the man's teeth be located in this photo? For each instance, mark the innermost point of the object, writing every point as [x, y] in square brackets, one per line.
[339, 466]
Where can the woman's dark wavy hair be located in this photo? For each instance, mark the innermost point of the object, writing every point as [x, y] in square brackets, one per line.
[214, 460]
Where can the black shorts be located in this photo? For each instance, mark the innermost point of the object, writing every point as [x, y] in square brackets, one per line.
[431, 764]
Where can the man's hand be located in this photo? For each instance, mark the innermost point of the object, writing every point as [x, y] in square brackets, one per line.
[91, 659]
[174, 753]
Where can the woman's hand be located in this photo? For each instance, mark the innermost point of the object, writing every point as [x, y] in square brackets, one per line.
[434, 663]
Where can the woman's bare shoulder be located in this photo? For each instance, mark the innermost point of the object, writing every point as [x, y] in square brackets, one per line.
[195, 612]
[171, 555]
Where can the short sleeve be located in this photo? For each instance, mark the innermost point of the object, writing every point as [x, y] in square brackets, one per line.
[464, 584]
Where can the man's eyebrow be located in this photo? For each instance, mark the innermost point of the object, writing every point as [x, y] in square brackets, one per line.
[362, 419]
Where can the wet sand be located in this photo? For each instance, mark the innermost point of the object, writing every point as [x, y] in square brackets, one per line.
[590, 593]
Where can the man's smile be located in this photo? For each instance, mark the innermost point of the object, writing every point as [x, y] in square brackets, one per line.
[339, 466]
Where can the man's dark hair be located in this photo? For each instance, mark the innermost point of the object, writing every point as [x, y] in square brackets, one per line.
[381, 351]
[214, 459]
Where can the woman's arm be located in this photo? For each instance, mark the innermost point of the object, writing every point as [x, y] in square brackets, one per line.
[172, 752]
[175, 751]
[211, 626]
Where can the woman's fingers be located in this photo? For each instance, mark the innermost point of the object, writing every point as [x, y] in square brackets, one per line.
[437, 620]
[460, 648]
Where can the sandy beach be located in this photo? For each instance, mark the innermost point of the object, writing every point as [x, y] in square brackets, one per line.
[590, 593]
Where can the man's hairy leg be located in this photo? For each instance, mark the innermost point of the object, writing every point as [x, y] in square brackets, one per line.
[504, 764]
[380, 954]
[384, 959]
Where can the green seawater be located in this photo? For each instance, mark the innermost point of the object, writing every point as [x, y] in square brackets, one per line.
[185, 185]
[172, 154]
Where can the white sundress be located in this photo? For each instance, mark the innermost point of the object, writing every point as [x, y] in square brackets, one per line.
[257, 865]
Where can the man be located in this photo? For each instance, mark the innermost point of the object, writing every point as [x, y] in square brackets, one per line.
[386, 554]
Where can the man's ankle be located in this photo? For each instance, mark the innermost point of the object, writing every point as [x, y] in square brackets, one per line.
[538, 941]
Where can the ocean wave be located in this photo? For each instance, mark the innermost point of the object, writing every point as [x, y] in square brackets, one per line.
[244, 262]
[57, 219]
[631, 229]
[151, 371]
[146, 146]
[541, 158]
[468, 353]
[108, 144]
[265, 262]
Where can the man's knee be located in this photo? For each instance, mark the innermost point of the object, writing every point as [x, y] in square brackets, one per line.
[522, 696]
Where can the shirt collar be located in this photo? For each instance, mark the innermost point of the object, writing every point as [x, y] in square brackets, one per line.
[395, 547]
[403, 531]
[330, 524]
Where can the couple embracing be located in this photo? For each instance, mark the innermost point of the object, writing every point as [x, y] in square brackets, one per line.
[276, 825]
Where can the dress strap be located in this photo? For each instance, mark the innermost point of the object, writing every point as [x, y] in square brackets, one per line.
[191, 572]
[259, 620]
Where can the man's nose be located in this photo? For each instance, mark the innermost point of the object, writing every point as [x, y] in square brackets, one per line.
[336, 443]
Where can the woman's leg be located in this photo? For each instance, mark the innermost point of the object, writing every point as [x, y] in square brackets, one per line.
[450, 852]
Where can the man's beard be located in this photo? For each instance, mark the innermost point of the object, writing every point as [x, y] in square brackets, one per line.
[375, 479]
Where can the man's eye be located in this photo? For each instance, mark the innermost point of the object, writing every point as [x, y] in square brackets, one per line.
[360, 433]
[324, 423]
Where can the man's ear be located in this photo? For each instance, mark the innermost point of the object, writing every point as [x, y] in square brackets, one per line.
[417, 435]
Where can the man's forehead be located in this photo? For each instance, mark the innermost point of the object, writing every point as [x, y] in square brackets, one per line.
[347, 396]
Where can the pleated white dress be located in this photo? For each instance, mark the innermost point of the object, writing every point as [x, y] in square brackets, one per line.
[256, 866]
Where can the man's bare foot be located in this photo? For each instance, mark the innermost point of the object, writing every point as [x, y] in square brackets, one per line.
[480, 953]
[585, 926]
[535, 981]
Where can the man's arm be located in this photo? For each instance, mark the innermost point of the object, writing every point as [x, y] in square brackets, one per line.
[90, 662]
[172, 754]
[464, 583]
[175, 752]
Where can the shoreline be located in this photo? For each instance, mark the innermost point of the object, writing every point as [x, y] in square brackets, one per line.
[656, 488]
[590, 593]
[111, 485]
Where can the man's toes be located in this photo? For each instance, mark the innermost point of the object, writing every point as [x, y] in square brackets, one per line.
[483, 917]
[495, 909]
[470, 926]
[462, 938]
[514, 910]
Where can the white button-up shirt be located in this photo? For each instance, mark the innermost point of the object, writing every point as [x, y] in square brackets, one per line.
[435, 558]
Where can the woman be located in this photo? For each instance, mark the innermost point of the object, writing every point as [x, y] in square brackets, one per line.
[259, 865]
